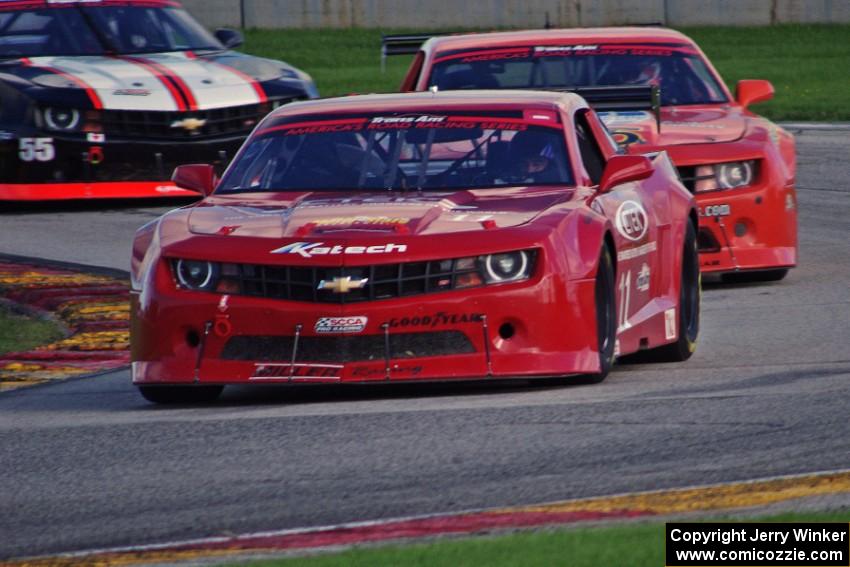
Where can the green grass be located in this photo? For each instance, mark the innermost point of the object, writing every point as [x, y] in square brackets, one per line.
[808, 64]
[19, 333]
[633, 545]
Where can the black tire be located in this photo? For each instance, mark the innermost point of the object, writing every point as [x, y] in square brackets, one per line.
[606, 317]
[690, 293]
[180, 394]
[756, 276]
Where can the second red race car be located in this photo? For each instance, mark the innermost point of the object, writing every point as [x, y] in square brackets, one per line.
[416, 237]
[740, 166]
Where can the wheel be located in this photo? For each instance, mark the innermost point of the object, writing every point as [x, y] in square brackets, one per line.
[606, 318]
[180, 394]
[756, 276]
[690, 291]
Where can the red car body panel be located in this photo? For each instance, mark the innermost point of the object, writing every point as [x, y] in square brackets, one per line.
[180, 336]
[747, 228]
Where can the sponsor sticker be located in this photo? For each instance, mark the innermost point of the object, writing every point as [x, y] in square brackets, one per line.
[349, 324]
[435, 319]
[364, 221]
[379, 372]
[670, 324]
[631, 220]
[406, 119]
[301, 372]
[715, 211]
[310, 249]
[625, 117]
[131, 92]
[168, 189]
[637, 251]
[642, 280]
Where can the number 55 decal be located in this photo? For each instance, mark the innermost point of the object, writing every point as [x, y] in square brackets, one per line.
[36, 149]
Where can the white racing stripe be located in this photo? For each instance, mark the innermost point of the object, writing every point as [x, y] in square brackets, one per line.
[212, 85]
[119, 84]
[133, 83]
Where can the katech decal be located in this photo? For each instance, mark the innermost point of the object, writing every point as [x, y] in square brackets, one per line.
[348, 324]
[435, 319]
[631, 220]
[715, 211]
[310, 249]
[642, 280]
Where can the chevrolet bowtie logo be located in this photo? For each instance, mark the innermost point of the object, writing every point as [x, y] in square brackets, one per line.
[342, 285]
[189, 124]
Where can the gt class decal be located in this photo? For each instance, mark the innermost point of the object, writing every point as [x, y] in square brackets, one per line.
[347, 324]
[631, 220]
[310, 249]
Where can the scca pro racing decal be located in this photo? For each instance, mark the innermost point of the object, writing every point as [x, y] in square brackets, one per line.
[310, 249]
[631, 220]
[349, 324]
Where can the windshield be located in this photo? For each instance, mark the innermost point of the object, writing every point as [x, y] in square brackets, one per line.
[411, 152]
[100, 30]
[679, 71]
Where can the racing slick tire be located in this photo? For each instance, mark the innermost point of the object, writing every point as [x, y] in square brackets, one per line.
[180, 394]
[690, 292]
[758, 276]
[606, 317]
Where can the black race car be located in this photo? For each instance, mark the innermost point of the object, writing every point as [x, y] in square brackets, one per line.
[103, 98]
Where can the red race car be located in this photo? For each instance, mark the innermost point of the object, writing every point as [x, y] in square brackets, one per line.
[740, 166]
[416, 237]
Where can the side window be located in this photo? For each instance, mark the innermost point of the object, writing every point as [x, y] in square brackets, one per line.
[591, 155]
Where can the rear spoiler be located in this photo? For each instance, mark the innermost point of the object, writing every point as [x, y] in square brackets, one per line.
[403, 44]
[623, 97]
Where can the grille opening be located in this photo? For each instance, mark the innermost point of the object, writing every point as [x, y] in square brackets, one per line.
[706, 241]
[342, 349]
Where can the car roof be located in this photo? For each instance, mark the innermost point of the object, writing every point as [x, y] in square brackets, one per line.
[428, 101]
[566, 35]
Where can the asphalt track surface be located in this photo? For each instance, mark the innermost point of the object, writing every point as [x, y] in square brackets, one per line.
[88, 464]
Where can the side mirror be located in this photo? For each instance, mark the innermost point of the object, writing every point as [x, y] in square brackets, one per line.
[751, 91]
[622, 169]
[229, 38]
[198, 177]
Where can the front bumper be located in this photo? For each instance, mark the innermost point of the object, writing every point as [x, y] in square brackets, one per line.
[753, 228]
[44, 167]
[543, 327]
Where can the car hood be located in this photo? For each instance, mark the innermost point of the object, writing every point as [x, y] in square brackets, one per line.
[679, 125]
[317, 214]
[158, 81]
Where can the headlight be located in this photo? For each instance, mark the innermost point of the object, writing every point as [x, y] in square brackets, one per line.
[493, 268]
[197, 275]
[729, 175]
[506, 267]
[61, 119]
